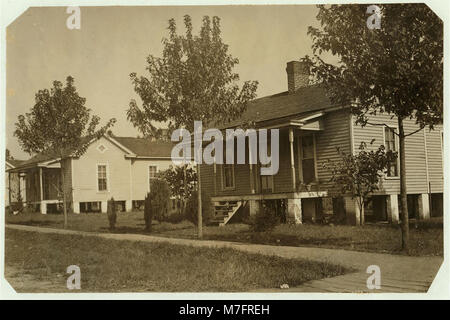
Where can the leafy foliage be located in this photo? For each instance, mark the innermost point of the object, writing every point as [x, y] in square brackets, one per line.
[159, 199]
[175, 178]
[397, 69]
[192, 208]
[193, 80]
[148, 213]
[8, 155]
[266, 219]
[59, 125]
[111, 212]
[359, 175]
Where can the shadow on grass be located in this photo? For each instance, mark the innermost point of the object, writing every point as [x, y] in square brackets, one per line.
[278, 239]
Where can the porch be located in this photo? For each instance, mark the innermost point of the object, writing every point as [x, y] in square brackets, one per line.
[42, 186]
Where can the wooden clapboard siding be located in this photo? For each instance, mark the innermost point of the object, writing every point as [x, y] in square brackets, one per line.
[282, 181]
[207, 180]
[416, 161]
[435, 158]
[336, 135]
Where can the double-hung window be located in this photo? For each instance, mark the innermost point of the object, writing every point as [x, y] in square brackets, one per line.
[228, 176]
[390, 143]
[102, 178]
[308, 158]
[151, 175]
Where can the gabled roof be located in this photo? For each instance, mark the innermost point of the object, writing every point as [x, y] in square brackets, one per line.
[139, 147]
[304, 100]
[142, 147]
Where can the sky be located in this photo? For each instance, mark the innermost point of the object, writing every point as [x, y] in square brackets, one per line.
[115, 41]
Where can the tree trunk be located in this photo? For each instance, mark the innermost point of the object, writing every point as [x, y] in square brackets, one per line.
[63, 190]
[361, 211]
[199, 212]
[403, 197]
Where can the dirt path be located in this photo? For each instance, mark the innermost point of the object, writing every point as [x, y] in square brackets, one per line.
[398, 273]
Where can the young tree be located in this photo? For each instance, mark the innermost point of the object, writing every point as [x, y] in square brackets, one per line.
[359, 175]
[181, 180]
[8, 155]
[396, 69]
[59, 125]
[193, 80]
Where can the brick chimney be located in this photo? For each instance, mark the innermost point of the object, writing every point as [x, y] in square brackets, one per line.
[297, 74]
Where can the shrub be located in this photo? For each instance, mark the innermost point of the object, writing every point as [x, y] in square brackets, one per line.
[148, 212]
[111, 213]
[265, 219]
[160, 196]
[192, 208]
[175, 217]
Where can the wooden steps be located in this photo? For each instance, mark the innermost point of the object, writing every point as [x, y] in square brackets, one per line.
[224, 211]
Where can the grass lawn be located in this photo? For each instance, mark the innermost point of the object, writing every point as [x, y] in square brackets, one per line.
[115, 265]
[425, 239]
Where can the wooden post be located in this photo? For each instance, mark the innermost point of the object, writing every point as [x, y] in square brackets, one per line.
[215, 175]
[252, 180]
[291, 143]
[9, 188]
[199, 212]
[41, 185]
[199, 194]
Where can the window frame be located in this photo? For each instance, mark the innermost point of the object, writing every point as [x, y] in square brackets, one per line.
[148, 176]
[300, 158]
[107, 177]
[224, 187]
[397, 146]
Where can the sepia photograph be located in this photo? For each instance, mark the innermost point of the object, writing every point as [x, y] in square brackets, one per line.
[232, 148]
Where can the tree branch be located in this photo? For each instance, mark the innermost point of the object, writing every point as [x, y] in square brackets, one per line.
[415, 131]
[384, 124]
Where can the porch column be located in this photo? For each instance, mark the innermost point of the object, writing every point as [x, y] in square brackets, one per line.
[291, 143]
[128, 206]
[294, 211]
[392, 208]
[19, 194]
[40, 185]
[9, 188]
[76, 207]
[215, 174]
[352, 211]
[252, 180]
[104, 206]
[424, 206]
[254, 206]
[43, 207]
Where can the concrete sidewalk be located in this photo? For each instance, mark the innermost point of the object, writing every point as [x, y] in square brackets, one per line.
[398, 273]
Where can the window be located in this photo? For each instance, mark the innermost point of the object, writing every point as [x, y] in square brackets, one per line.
[151, 175]
[228, 176]
[308, 155]
[390, 143]
[102, 178]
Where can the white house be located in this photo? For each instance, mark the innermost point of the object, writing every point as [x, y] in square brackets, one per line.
[118, 167]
